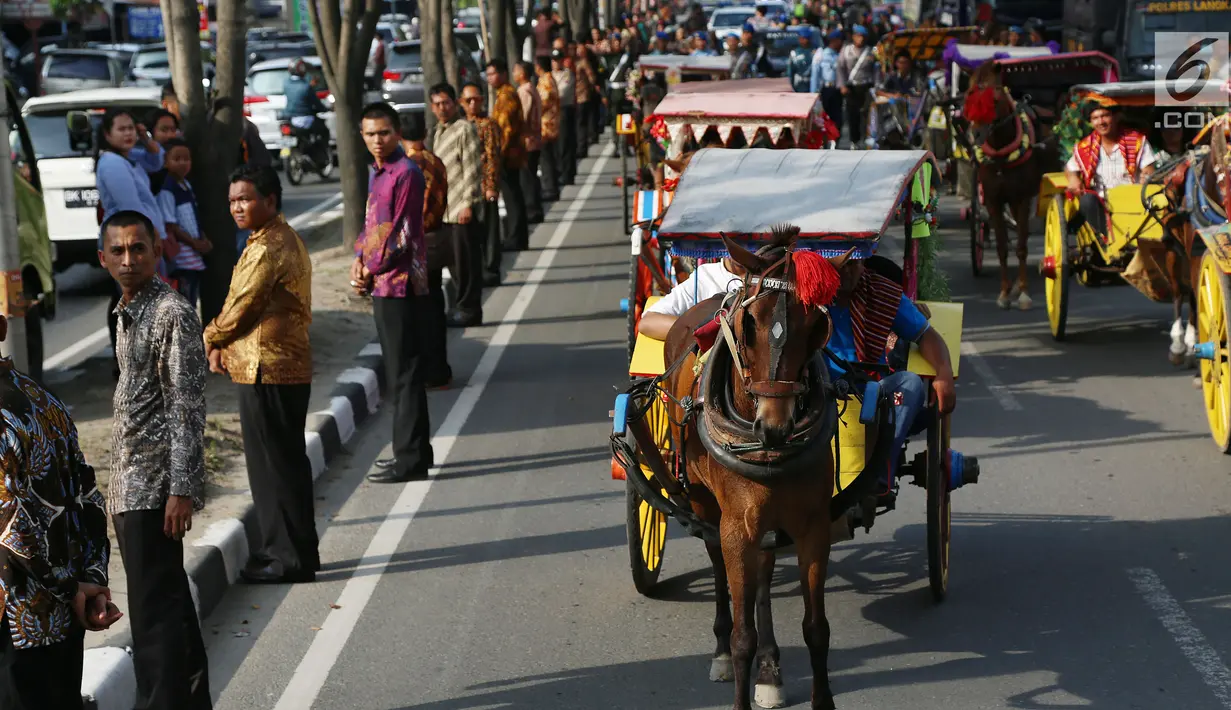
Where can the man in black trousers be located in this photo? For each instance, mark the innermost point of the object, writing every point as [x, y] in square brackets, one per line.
[261, 339]
[157, 464]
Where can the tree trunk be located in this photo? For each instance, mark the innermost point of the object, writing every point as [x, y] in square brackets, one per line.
[498, 11]
[448, 45]
[430, 50]
[205, 130]
[343, 37]
[513, 37]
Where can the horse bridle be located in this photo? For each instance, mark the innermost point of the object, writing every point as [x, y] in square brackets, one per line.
[762, 285]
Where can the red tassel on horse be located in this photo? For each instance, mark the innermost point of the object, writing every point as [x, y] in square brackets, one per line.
[816, 280]
[980, 105]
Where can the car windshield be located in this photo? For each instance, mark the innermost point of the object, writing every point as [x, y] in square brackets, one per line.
[78, 66]
[731, 19]
[405, 59]
[154, 59]
[272, 82]
[469, 40]
[780, 44]
[49, 130]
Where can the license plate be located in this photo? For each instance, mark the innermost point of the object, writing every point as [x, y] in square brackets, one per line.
[84, 197]
[286, 153]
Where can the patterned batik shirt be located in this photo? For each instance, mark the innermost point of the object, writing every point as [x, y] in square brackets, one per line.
[507, 115]
[392, 245]
[435, 186]
[458, 147]
[158, 431]
[490, 169]
[585, 81]
[532, 117]
[53, 523]
[549, 96]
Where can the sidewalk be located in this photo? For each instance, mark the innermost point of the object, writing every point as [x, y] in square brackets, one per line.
[341, 327]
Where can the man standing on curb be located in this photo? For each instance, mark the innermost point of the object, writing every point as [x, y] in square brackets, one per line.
[532, 137]
[261, 339]
[507, 115]
[549, 98]
[457, 145]
[157, 464]
[438, 240]
[391, 265]
[566, 142]
[53, 565]
[489, 218]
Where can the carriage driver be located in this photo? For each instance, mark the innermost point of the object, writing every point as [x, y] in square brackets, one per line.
[879, 306]
[1110, 156]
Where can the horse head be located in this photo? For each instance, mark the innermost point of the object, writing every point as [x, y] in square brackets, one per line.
[779, 321]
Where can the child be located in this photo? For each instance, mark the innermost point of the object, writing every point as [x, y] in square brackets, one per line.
[179, 209]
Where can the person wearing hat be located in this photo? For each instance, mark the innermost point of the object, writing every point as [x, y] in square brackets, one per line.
[856, 71]
[700, 46]
[824, 76]
[1034, 33]
[799, 63]
[660, 44]
[1016, 36]
[1110, 156]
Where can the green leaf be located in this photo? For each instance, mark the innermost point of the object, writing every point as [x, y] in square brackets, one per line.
[65, 9]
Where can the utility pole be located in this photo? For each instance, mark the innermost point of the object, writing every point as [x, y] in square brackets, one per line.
[11, 305]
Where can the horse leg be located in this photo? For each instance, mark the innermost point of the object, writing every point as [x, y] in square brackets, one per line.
[1176, 352]
[995, 215]
[721, 670]
[1021, 210]
[813, 548]
[768, 689]
[740, 553]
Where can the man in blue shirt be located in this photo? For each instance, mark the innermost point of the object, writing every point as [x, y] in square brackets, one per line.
[302, 105]
[799, 63]
[824, 76]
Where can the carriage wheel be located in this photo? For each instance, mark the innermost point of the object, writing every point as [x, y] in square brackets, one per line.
[1056, 268]
[940, 517]
[978, 233]
[1212, 318]
[647, 528]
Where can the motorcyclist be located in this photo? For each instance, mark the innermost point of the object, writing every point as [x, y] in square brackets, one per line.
[302, 105]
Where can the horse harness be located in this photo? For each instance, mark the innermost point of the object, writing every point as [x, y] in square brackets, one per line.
[1017, 151]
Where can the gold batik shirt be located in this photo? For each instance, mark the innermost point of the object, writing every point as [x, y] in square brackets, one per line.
[263, 327]
[490, 138]
[435, 186]
[550, 96]
[508, 117]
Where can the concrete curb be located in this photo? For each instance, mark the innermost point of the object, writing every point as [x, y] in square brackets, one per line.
[214, 560]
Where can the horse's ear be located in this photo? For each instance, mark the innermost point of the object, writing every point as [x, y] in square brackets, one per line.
[840, 260]
[753, 263]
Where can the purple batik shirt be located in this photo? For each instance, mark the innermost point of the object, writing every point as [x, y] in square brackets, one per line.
[391, 245]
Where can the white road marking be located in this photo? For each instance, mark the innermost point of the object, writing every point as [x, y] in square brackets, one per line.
[94, 342]
[305, 685]
[1204, 659]
[1002, 394]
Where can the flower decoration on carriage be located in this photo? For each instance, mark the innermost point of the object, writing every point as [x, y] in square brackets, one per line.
[659, 132]
[820, 133]
[631, 92]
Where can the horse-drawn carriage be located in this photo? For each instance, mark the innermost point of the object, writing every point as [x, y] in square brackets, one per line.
[731, 114]
[904, 121]
[692, 434]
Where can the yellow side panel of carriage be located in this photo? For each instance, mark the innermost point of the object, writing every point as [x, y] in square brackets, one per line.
[946, 320]
[1051, 185]
[1129, 218]
[1218, 242]
[648, 352]
[852, 438]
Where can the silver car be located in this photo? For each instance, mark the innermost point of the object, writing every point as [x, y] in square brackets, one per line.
[77, 69]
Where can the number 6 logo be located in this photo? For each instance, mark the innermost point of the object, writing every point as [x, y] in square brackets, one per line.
[1185, 63]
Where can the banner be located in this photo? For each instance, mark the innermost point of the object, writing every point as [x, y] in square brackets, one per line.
[300, 21]
[145, 22]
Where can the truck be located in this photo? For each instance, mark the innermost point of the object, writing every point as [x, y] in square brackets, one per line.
[1125, 29]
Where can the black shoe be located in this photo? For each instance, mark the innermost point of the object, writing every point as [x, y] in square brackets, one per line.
[550, 198]
[536, 219]
[272, 573]
[438, 384]
[463, 320]
[491, 280]
[513, 247]
[391, 476]
[385, 463]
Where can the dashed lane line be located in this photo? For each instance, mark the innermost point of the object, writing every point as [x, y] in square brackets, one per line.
[1002, 394]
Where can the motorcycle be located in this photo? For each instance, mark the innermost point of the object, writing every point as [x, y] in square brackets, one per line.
[302, 153]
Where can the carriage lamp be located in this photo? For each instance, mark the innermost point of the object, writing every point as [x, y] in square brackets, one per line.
[1205, 351]
[1047, 267]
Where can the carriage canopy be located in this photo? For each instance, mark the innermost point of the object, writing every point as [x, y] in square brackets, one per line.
[751, 110]
[837, 198]
[1047, 62]
[1125, 93]
[923, 45]
[685, 63]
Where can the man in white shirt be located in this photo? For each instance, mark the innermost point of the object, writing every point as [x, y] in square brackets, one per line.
[706, 281]
[1110, 156]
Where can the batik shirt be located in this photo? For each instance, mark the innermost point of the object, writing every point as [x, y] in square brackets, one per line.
[53, 523]
[461, 156]
[391, 245]
[435, 187]
[532, 116]
[507, 115]
[489, 176]
[584, 72]
[549, 96]
[158, 428]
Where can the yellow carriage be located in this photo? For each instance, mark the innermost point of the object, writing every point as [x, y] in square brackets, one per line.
[740, 194]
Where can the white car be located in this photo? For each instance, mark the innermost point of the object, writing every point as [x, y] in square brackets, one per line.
[730, 20]
[69, 192]
[264, 99]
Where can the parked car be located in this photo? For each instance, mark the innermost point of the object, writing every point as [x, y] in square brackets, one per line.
[272, 34]
[265, 51]
[34, 243]
[123, 51]
[69, 193]
[151, 66]
[467, 17]
[78, 69]
[472, 39]
[403, 79]
[729, 20]
[265, 98]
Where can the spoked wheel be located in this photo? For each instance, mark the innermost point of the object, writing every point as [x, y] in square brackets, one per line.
[1056, 268]
[1212, 318]
[294, 168]
[978, 232]
[940, 517]
[647, 528]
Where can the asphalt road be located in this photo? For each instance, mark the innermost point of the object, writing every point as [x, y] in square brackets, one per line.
[1088, 564]
[79, 329]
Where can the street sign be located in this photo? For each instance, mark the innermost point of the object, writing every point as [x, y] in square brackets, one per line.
[145, 22]
[300, 21]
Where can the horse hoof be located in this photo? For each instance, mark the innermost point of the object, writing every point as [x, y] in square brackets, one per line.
[1024, 302]
[769, 696]
[1004, 302]
[721, 669]
[1176, 359]
[1190, 362]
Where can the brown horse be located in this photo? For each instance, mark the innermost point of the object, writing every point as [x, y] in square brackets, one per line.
[769, 399]
[1009, 168]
